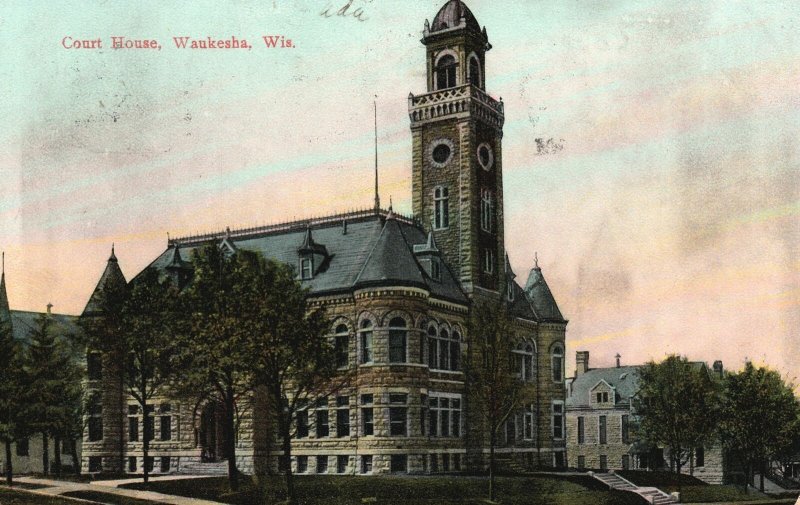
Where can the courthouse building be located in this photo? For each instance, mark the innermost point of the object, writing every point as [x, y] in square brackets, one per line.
[399, 290]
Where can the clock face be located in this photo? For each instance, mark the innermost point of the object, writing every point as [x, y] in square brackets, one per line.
[440, 152]
[485, 156]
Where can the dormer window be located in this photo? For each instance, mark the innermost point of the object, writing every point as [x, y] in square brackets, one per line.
[602, 397]
[306, 268]
[436, 269]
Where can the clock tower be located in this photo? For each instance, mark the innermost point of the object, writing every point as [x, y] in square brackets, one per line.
[457, 129]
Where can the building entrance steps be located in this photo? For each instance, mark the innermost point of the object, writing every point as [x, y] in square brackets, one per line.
[651, 494]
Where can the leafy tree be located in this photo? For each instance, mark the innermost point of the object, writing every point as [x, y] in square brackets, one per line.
[296, 362]
[11, 386]
[759, 412]
[491, 373]
[677, 405]
[146, 339]
[217, 344]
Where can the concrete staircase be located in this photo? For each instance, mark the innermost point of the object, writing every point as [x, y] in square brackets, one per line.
[651, 494]
[216, 468]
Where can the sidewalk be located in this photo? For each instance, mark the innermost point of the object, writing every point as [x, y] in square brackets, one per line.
[56, 487]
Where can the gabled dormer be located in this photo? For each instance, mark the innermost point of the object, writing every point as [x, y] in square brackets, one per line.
[602, 395]
[227, 246]
[313, 257]
[178, 270]
[430, 258]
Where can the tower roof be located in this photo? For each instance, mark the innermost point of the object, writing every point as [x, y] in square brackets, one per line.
[450, 15]
[5, 312]
[112, 278]
[542, 300]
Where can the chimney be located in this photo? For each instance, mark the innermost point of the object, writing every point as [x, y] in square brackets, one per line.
[581, 363]
[718, 368]
[49, 308]
[618, 358]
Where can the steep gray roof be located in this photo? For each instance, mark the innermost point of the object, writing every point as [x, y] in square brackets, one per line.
[112, 275]
[369, 250]
[24, 322]
[4, 308]
[542, 300]
[624, 379]
[450, 15]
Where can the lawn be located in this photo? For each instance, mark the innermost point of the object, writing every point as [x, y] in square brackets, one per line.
[346, 490]
[14, 497]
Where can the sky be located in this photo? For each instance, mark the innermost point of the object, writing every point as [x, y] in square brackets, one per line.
[665, 208]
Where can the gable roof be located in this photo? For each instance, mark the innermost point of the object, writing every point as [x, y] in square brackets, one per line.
[624, 380]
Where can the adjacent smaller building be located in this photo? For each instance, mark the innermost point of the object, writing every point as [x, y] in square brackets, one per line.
[601, 422]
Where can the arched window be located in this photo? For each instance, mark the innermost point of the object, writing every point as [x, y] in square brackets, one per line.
[475, 72]
[487, 210]
[523, 362]
[397, 340]
[433, 348]
[558, 363]
[455, 351]
[446, 72]
[366, 341]
[444, 349]
[441, 213]
[342, 345]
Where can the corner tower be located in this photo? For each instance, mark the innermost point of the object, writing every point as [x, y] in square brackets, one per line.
[457, 128]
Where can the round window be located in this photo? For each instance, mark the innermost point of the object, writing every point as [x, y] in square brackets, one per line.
[440, 152]
[485, 156]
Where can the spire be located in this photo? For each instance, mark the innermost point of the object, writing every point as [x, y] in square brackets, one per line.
[377, 197]
[113, 256]
[111, 279]
[5, 312]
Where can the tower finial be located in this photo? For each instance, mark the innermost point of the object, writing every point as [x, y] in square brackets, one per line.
[536, 260]
[113, 256]
[4, 263]
[377, 197]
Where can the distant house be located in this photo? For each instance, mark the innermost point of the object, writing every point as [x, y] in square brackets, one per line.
[26, 455]
[601, 423]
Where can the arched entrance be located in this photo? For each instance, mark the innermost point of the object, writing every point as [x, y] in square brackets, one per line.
[211, 435]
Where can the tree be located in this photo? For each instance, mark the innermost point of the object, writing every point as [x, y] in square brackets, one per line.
[146, 339]
[491, 373]
[216, 343]
[11, 384]
[50, 370]
[759, 411]
[296, 361]
[677, 406]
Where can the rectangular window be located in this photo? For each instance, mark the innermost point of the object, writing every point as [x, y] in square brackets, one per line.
[149, 427]
[558, 420]
[302, 464]
[445, 462]
[457, 462]
[581, 430]
[581, 462]
[148, 461]
[423, 413]
[95, 464]
[603, 462]
[398, 416]
[488, 261]
[323, 429]
[342, 350]
[165, 464]
[434, 463]
[94, 366]
[366, 346]
[700, 457]
[133, 429]
[366, 464]
[511, 430]
[306, 268]
[397, 346]
[95, 429]
[341, 464]
[368, 427]
[322, 464]
[166, 427]
[302, 422]
[487, 207]
[444, 415]
[625, 430]
[602, 429]
[399, 463]
[626, 462]
[529, 422]
[23, 448]
[342, 416]
[132, 464]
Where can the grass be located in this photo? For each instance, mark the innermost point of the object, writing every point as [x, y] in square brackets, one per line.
[109, 498]
[13, 497]
[347, 490]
